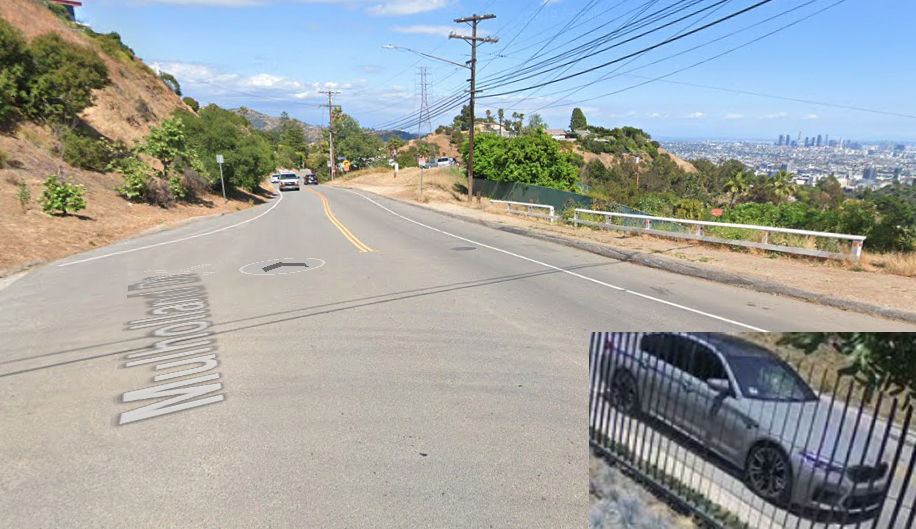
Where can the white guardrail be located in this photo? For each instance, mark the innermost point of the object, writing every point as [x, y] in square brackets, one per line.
[530, 207]
[854, 254]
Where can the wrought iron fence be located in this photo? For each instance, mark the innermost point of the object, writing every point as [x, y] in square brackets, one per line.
[746, 439]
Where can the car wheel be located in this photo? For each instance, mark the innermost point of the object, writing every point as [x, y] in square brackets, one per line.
[624, 394]
[768, 473]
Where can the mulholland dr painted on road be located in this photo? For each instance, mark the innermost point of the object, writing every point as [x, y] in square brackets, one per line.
[178, 313]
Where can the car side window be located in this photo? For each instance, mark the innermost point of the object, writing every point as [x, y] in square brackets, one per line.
[707, 365]
[671, 349]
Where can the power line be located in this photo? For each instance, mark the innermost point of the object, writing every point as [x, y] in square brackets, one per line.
[649, 48]
[580, 52]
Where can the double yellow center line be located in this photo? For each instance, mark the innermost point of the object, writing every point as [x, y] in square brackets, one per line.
[343, 229]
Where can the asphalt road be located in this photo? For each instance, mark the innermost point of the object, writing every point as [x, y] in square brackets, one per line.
[421, 372]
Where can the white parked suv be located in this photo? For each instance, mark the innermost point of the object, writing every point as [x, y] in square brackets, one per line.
[445, 162]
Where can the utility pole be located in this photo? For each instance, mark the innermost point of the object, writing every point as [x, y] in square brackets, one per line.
[472, 40]
[331, 129]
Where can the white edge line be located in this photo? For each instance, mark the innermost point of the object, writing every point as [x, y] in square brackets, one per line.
[558, 269]
[176, 240]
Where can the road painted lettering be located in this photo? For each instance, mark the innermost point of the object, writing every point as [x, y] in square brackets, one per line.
[178, 314]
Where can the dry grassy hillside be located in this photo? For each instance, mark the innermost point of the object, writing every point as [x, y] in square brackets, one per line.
[136, 97]
[124, 111]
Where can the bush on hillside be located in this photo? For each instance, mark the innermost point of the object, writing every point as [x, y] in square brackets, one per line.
[191, 102]
[15, 61]
[64, 77]
[4, 159]
[86, 152]
[530, 159]
[62, 197]
[248, 155]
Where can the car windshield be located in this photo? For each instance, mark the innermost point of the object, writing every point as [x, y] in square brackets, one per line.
[765, 378]
[288, 177]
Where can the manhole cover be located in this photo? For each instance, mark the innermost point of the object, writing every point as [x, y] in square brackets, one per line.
[281, 266]
[463, 248]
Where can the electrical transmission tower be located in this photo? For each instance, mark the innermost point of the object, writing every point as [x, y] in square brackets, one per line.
[423, 85]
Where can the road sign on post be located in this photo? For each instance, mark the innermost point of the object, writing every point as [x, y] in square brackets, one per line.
[219, 160]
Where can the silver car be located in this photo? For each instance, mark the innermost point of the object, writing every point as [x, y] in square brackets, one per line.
[748, 406]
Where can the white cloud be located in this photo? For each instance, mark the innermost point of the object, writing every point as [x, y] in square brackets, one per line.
[212, 81]
[388, 8]
[695, 115]
[778, 115]
[811, 116]
[428, 30]
[733, 116]
[406, 7]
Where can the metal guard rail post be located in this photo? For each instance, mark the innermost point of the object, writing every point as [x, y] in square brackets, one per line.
[855, 240]
[530, 207]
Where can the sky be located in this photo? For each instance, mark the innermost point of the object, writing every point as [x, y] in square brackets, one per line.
[845, 71]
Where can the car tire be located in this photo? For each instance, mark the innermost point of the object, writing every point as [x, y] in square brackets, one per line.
[624, 393]
[768, 473]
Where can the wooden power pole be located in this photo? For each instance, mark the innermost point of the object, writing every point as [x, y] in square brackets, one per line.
[331, 129]
[473, 39]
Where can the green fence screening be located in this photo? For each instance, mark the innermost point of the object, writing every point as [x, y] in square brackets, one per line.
[563, 200]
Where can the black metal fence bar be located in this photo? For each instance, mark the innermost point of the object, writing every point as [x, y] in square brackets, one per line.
[744, 439]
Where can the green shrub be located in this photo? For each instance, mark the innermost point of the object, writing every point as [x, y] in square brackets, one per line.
[191, 102]
[62, 197]
[14, 63]
[136, 174]
[85, 152]
[64, 78]
[23, 194]
[4, 158]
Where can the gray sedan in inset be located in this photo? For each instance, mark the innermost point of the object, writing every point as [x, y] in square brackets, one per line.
[751, 408]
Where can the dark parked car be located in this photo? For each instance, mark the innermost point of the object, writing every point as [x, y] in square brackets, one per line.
[311, 180]
[750, 407]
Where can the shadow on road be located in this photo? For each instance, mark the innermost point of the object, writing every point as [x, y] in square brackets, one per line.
[348, 305]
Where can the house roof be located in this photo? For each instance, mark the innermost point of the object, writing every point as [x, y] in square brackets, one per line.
[70, 3]
[556, 132]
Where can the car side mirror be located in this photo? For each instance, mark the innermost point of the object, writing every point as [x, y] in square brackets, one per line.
[720, 385]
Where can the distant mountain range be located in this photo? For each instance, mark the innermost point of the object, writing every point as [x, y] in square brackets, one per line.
[313, 133]
[262, 121]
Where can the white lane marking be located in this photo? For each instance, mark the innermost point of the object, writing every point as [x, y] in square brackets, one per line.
[176, 240]
[558, 269]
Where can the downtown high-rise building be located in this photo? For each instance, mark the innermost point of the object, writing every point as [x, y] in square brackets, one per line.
[782, 140]
[820, 140]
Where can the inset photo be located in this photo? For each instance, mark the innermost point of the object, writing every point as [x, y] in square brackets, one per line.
[804, 430]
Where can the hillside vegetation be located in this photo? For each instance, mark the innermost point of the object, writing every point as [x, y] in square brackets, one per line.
[92, 144]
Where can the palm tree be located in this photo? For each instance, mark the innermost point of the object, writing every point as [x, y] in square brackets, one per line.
[489, 116]
[782, 186]
[738, 185]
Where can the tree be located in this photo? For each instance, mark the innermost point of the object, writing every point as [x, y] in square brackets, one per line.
[781, 186]
[577, 121]
[737, 186]
[394, 144]
[502, 118]
[595, 173]
[64, 76]
[16, 63]
[355, 144]
[171, 82]
[191, 102]
[463, 120]
[531, 159]
[489, 116]
[535, 122]
[248, 154]
[879, 360]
